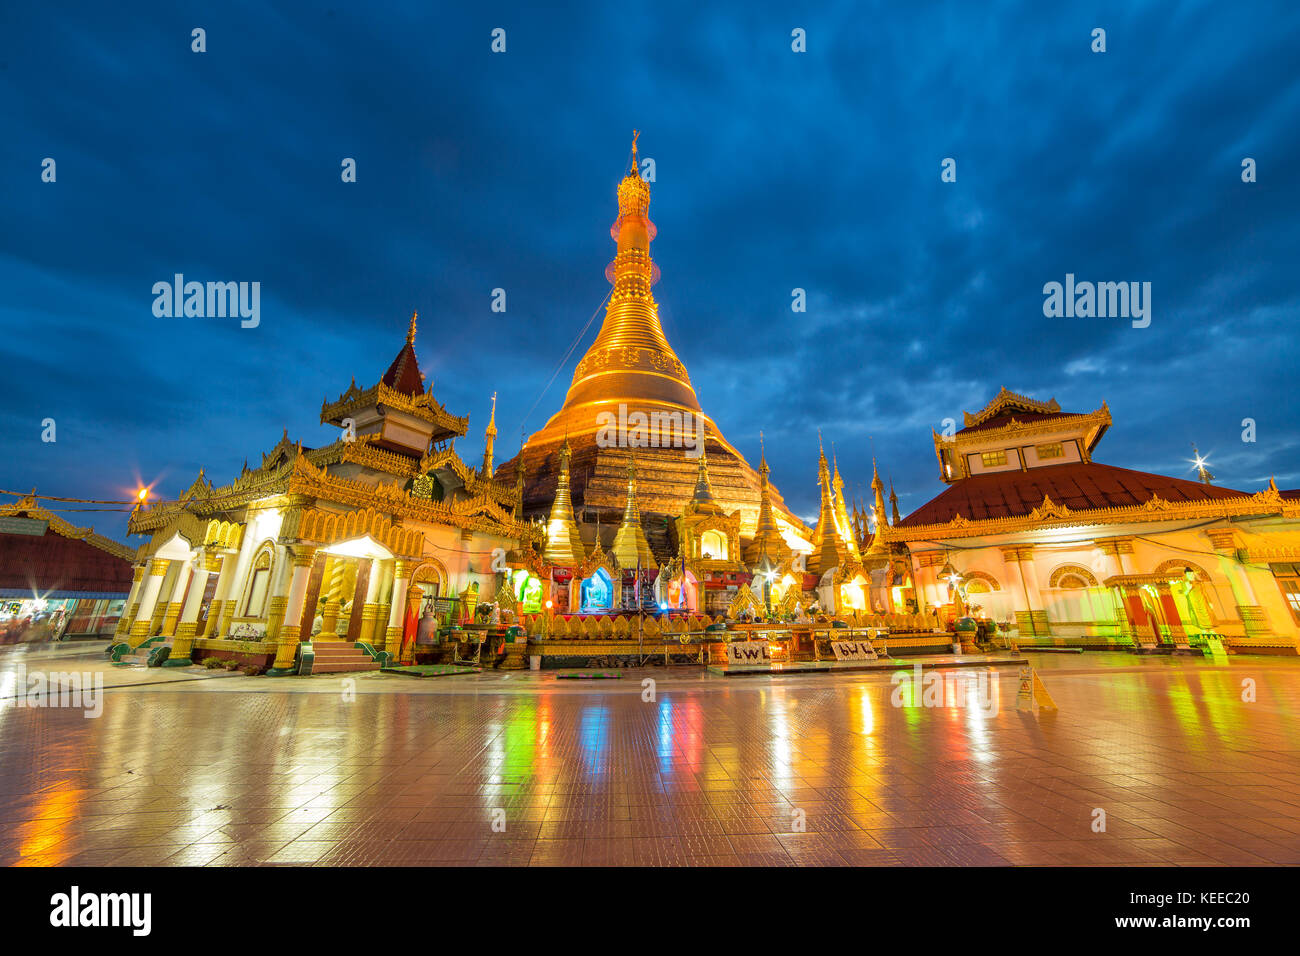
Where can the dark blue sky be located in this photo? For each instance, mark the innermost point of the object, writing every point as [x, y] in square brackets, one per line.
[775, 170]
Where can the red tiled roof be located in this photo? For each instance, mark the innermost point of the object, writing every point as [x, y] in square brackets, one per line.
[51, 562]
[1077, 485]
[404, 374]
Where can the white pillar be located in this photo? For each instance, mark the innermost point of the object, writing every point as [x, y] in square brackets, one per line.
[292, 626]
[148, 599]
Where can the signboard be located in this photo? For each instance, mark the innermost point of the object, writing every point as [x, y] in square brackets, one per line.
[748, 652]
[1033, 695]
[23, 526]
[853, 651]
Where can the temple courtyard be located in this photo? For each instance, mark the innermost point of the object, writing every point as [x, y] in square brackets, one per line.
[1147, 761]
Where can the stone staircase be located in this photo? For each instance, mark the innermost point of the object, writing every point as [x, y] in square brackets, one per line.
[340, 657]
[660, 540]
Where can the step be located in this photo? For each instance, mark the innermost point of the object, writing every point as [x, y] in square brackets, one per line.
[343, 667]
[324, 647]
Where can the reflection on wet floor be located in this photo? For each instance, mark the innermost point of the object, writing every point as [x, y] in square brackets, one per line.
[823, 769]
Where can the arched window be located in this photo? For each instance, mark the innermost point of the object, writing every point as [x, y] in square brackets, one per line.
[1072, 577]
[259, 582]
[713, 544]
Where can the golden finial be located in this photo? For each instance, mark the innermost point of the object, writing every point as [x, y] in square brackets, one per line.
[410, 332]
[635, 134]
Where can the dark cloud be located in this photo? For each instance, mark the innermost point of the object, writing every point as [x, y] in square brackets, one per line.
[773, 171]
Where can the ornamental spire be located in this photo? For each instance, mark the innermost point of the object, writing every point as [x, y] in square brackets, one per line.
[878, 545]
[841, 509]
[829, 549]
[410, 332]
[631, 360]
[768, 540]
[563, 542]
[630, 544]
[490, 435]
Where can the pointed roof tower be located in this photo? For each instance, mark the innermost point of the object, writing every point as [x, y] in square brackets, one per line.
[630, 544]
[563, 543]
[397, 412]
[829, 549]
[893, 504]
[404, 374]
[490, 438]
[878, 545]
[841, 509]
[768, 540]
[702, 501]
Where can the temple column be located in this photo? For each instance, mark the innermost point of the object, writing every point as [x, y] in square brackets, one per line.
[334, 574]
[384, 602]
[189, 620]
[1253, 619]
[402, 571]
[279, 596]
[131, 605]
[291, 623]
[173, 610]
[219, 610]
[370, 610]
[148, 598]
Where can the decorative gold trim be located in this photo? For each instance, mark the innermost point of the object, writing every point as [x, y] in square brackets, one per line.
[1049, 514]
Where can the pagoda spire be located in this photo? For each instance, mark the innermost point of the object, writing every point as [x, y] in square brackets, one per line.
[563, 542]
[878, 545]
[490, 437]
[768, 540]
[893, 504]
[631, 360]
[1202, 472]
[410, 331]
[630, 544]
[829, 549]
[702, 500]
[841, 510]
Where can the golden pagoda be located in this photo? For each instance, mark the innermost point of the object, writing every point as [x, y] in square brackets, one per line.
[631, 373]
[767, 541]
[631, 549]
[564, 546]
[829, 548]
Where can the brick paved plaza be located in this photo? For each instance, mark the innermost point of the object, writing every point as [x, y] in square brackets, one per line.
[189, 769]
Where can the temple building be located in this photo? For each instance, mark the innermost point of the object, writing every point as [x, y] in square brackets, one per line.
[1032, 530]
[57, 581]
[339, 544]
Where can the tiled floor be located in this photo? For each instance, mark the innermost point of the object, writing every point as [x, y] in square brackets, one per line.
[522, 769]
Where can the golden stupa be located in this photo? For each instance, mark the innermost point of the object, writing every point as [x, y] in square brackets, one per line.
[631, 368]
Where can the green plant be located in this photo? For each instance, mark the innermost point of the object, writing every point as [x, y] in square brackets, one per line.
[212, 663]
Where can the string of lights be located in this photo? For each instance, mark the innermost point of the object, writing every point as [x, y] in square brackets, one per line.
[558, 368]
